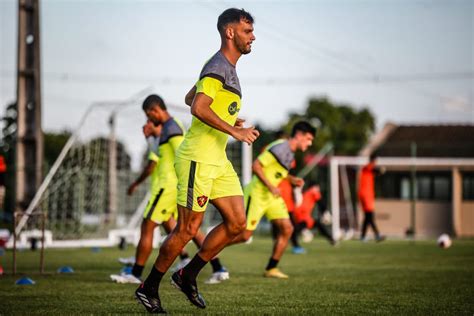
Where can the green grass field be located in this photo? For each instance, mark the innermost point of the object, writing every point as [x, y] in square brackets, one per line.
[394, 277]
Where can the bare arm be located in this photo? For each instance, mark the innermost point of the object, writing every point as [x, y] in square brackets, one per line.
[201, 108]
[296, 181]
[145, 174]
[188, 99]
[257, 168]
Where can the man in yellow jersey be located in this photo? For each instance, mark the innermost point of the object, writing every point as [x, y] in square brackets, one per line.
[144, 248]
[263, 197]
[204, 172]
[161, 208]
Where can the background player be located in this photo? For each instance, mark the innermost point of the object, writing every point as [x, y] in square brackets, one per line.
[303, 217]
[262, 196]
[367, 197]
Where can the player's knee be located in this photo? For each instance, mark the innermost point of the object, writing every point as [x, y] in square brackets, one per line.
[236, 228]
[189, 231]
[287, 229]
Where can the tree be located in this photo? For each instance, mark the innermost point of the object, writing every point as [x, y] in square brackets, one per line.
[53, 144]
[346, 127]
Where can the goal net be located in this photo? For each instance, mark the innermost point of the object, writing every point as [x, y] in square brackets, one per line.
[84, 195]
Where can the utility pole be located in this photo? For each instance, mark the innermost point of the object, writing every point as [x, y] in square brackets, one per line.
[29, 142]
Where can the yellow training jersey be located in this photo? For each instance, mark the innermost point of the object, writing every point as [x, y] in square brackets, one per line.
[154, 178]
[219, 81]
[172, 134]
[276, 161]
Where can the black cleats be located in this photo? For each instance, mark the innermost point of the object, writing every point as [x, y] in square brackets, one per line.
[152, 303]
[188, 288]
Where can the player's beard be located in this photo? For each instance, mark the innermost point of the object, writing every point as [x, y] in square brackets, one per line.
[243, 47]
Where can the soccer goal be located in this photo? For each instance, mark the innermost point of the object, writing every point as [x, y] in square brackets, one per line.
[342, 202]
[84, 195]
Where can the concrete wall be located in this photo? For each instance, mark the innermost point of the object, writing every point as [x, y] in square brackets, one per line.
[432, 218]
[467, 219]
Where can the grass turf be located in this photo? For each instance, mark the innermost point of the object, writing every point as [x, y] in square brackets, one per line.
[394, 277]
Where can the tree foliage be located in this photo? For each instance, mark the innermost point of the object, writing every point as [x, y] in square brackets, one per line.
[345, 126]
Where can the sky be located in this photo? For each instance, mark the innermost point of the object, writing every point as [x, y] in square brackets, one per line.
[409, 62]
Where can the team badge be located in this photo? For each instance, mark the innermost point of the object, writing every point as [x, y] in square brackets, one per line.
[202, 200]
[253, 222]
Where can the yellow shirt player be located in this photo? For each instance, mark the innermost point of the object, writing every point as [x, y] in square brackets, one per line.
[161, 208]
[262, 196]
[162, 205]
[201, 163]
[203, 170]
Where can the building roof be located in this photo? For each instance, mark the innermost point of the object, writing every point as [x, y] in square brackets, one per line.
[454, 141]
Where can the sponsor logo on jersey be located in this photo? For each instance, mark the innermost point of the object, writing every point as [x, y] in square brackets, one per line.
[233, 108]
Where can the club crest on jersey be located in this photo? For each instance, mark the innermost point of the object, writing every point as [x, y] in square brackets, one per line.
[202, 200]
[253, 222]
[233, 108]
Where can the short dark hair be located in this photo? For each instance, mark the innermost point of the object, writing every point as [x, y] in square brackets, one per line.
[153, 100]
[233, 15]
[280, 134]
[373, 156]
[304, 127]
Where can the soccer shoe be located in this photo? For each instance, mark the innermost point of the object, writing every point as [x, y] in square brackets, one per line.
[130, 261]
[218, 276]
[380, 238]
[275, 273]
[298, 250]
[125, 278]
[188, 288]
[181, 264]
[152, 303]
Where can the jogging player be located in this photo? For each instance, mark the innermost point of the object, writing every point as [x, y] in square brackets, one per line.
[263, 197]
[203, 170]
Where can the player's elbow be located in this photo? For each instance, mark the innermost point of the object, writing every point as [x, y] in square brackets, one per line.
[195, 110]
[256, 167]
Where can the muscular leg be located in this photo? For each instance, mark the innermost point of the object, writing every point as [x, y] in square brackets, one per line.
[242, 237]
[186, 228]
[285, 229]
[145, 246]
[232, 211]
[198, 241]
[169, 225]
